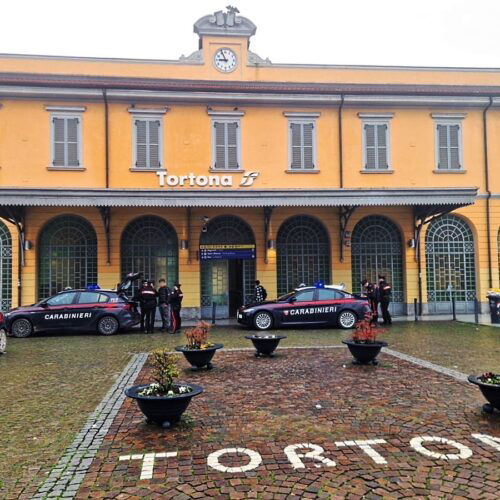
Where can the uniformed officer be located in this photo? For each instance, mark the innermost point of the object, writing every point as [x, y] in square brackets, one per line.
[147, 300]
[370, 290]
[175, 305]
[164, 305]
[385, 299]
[260, 292]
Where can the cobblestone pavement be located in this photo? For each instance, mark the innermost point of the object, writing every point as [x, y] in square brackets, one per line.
[425, 432]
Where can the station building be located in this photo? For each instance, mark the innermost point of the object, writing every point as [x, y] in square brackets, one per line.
[223, 167]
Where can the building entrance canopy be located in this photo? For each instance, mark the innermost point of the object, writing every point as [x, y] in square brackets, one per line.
[452, 197]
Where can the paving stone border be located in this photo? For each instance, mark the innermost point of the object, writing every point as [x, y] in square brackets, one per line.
[65, 478]
[427, 364]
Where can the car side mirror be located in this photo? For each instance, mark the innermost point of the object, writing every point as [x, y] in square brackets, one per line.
[292, 299]
[44, 305]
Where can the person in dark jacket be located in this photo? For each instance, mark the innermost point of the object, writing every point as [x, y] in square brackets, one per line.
[370, 290]
[147, 300]
[384, 290]
[260, 292]
[175, 305]
[164, 305]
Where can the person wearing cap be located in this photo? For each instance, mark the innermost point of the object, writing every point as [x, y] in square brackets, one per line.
[384, 291]
[147, 300]
[175, 306]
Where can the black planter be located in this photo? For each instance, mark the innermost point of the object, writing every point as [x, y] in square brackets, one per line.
[160, 409]
[490, 392]
[265, 345]
[199, 358]
[365, 353]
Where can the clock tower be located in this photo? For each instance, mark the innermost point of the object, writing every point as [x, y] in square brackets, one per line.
[224, 41]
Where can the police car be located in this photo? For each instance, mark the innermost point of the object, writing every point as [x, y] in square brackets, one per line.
[84, 310]
[310, 305]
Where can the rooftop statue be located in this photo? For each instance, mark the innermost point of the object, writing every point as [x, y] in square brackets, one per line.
[225, 23]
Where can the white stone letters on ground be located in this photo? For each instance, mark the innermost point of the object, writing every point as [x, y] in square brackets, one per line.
[251, 459]
[366, 446]
[464, 451]
[255, 460]
[316, 454]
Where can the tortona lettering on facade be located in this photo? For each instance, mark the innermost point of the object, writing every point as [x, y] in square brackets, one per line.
[332, 173]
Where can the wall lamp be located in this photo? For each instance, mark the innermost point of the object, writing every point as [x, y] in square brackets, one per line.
[28, 245]
[184, 244]
[271, 244]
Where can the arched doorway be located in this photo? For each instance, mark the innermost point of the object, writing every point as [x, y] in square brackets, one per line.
[227, 277]
[67, 255]
[303, 253]
[5, 268]
[450, 260]
[149, 245]
[377, 249]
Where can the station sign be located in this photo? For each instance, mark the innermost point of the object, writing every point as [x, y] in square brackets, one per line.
[229, 252]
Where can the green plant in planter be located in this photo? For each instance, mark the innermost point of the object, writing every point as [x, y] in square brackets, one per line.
[165, 371]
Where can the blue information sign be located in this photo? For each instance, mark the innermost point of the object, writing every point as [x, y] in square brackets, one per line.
[229, 252]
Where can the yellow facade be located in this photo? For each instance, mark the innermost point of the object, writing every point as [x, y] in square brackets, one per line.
[190, 89]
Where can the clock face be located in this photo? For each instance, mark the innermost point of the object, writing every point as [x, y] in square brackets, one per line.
[225, 60]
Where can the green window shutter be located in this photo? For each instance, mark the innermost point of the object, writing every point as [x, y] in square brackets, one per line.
[58, 125]
[141, 133]
[232, 144]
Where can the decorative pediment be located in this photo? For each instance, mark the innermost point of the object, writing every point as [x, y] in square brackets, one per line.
[225, 24]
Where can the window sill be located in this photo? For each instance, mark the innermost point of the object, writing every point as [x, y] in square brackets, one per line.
[450, 171]
[377, 171]
[229, 170]
[302, 171]
[139, 169]
[67, 169]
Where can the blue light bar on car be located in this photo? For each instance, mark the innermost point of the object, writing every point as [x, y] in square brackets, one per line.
[319, 284]
[93, 287]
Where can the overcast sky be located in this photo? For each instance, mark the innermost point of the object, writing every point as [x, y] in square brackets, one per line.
[386, 32]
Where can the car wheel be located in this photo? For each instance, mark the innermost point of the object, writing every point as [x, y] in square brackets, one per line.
[347, 319]
[108, 325]
[3, 340]
[21, 328]
[263, 320]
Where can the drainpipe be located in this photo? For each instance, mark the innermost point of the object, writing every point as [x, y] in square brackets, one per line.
[487, 189]
[341, 159]
[106, 135]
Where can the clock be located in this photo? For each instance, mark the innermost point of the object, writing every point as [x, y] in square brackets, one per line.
[225, 60]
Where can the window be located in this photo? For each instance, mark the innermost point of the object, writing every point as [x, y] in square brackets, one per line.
[328, 294]
[147, 138]
[305, 296]
[302, 141]
[63, 299]
[66, 132]
[92, 298]
[449, 142]
[376, 147]
[226, 139]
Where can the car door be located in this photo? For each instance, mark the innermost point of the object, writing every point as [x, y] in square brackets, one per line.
[300, 308]
[55, 312]
[328, 305]
[89, 306]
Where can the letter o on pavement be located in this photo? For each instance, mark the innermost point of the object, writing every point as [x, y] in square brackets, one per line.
[255, 460]
[417, 444]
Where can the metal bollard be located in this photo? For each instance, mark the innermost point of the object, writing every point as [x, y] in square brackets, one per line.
[214, 308]
[415, 309]
[476, 310]
[453, 308]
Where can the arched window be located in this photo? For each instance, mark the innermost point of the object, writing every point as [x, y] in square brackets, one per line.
[377, 249]
[450, 257]
[67, 255]
[303, 252]
[149, 245]
[5, 268]
[229, 283]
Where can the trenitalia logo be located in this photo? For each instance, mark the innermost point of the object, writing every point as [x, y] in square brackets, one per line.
[193, 180]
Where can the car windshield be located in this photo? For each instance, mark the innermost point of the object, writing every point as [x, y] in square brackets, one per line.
[285, 297]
